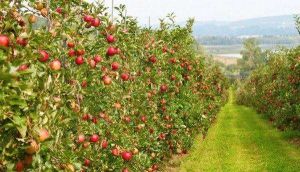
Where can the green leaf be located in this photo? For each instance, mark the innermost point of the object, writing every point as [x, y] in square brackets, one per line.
[17, 101]
[20, 122]
[5, 76]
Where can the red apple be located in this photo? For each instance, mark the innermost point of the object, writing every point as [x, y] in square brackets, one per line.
[172, 60]
[163, 108]
[117, 105]
[4, 41]
[96, 22]
[111, 27]
[187, 77]
[22, 22]
[152, 59]
[32, 19]
[22, 67]
[87, 162]
[94, 138]
[151, 130]
[81, 138]
[162, 136]
[84, 84]
[165, 49]
[163, 101]
[173, 78]
[86, 144]
[72, 53]
[163, 88]
[135, 151]
[106, 80]
[92, 63]
[155, 167]
[22, 41]
[104, 69]
[117, 50]
[110, 38]
[95, 120]
[127, 119]
[115, 66]
[55, 65]
[80, 52]
[111, 51]
[79, 60]
[33, 147]
[115, 151]
[43, 134]
[125, 76]
[104, 144]
[19, 166]
[28, 160]
[127, 156]
[97, 59]
[102, 115]
[125, 170]
[88, 18]
[58, 10]
[86, 117]
[44, 56]
[143, 118]
[71, 44]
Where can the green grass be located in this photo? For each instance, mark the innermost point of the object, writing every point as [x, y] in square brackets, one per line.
[242, 141]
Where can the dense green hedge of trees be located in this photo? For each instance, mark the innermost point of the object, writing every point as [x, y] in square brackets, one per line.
[273, 89]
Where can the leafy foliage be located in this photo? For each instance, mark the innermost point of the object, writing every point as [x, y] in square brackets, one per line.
[253, 57]
[274, 89]
[298, 23]
[78, 92]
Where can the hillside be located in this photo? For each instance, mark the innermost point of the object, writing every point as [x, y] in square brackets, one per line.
[275, 25]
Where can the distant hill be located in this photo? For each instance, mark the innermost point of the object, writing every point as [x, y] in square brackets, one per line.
[275, 25]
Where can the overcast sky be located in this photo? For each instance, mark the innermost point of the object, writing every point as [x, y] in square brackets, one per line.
[206, 10]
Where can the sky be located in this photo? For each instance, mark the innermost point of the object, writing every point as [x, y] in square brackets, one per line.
[207, 10]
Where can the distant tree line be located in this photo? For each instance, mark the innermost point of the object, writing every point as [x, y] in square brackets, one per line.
[233, 40]
[252, 57]
[298, 23]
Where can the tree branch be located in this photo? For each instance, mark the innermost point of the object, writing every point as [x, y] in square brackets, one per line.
[48, 16]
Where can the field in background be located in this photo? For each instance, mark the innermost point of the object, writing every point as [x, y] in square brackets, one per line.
[229, 54]
[226, 59]
[236, 49]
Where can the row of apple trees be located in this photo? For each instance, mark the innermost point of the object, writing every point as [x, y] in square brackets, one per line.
[273, 89]
[79, 92]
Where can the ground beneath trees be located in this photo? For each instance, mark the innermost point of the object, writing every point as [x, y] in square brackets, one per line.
[241, 141]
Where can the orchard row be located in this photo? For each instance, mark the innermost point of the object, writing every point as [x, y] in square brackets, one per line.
[79, 92]
[274, 89]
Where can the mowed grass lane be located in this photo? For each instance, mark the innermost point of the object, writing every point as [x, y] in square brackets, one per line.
[242, 141]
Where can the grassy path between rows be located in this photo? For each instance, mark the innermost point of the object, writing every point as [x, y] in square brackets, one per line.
[242, 141]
